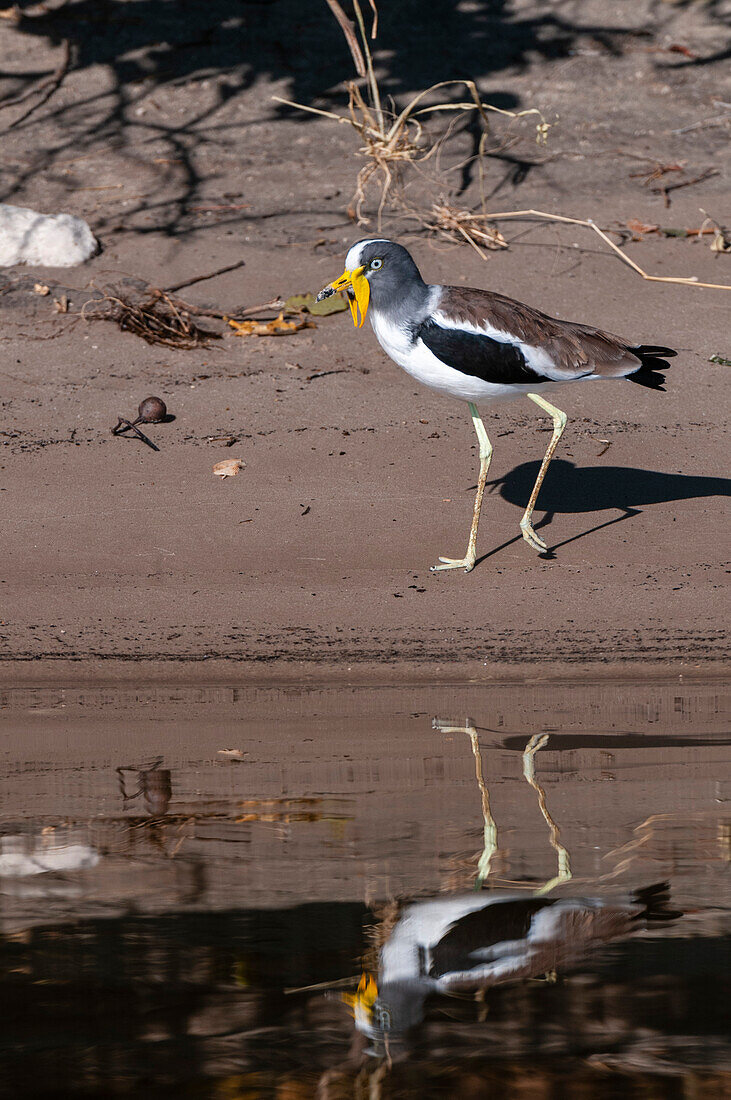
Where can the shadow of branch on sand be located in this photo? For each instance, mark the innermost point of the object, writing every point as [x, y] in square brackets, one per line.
[138, 59]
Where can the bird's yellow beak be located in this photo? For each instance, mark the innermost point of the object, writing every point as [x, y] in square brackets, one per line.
[359, 293]
[361, 1002]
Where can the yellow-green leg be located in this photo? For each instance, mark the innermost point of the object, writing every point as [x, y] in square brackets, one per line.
[559, 423]
[468, 561]
[537, 741]
[490, 845]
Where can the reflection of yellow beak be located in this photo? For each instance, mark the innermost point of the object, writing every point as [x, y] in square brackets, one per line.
[361, 289]
[365, 996]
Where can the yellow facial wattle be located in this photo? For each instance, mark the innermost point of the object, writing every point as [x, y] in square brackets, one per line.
[361, 1002]
[358, 302]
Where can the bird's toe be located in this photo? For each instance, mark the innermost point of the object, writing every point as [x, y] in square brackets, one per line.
[532, 538]
[454, 563]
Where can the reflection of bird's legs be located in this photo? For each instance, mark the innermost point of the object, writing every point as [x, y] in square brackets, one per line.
[468, 561]
[559, 423]
[490, 845]
[537, 741]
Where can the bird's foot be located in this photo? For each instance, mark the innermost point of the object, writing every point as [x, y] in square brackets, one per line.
[467, 563]
[531, 537]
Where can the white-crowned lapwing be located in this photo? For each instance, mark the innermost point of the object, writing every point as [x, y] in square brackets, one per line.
[482, 347]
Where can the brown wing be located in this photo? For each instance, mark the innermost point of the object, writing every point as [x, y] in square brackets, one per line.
[573, 349]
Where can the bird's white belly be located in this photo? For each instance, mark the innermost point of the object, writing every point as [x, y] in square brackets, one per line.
[420, 363]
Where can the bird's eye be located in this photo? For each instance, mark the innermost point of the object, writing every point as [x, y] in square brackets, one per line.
[375, 264]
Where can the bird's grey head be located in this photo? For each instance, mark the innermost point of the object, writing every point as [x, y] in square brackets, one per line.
[380, 274]
[398, 1007]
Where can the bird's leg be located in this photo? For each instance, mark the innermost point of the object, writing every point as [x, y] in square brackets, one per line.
[537, 741]
[468, 561]
[490, 844]
[559, 423]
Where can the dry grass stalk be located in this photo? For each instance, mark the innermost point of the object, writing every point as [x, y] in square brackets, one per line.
[456, 224]
[389, 146]
[154, 316]
[390, 140]
[463, 219]
[386, 916]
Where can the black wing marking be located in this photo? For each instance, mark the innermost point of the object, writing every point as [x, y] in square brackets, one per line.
[477, 355]
[497, 923]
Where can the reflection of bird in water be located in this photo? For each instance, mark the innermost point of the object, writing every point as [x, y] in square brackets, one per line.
[467, 943]
[490, 847]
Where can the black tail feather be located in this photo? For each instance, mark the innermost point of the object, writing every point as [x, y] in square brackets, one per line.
[655, 349]
[656, 900]
[652, 357]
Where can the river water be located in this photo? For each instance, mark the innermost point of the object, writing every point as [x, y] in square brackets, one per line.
[193, 879]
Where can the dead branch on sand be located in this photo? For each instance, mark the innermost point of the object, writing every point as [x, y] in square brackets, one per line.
[154, 315]
[690, 280]
[160, 317]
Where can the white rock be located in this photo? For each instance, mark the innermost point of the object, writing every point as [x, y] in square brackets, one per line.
[47, 240]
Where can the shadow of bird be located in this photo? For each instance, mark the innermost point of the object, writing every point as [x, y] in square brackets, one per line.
[571, 488]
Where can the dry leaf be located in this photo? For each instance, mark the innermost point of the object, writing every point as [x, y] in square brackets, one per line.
[721, 241]
[233, 754]
[308, 303]
[640, 227]
[228, 468]
[61, 305]
[277, 327]
[11, 13]
[42, 289]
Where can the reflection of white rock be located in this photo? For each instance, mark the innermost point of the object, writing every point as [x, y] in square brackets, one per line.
[32, 855]
[48, 240]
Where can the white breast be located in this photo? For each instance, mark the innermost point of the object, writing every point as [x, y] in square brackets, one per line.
[420, 363]
[420, 927]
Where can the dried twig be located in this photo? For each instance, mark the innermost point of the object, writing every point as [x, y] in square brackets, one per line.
[124, 425]
[457, 225]
[219, 206]
[688, 281]
[348, 29]
[275, 306]
[665, 188]
[202, 278]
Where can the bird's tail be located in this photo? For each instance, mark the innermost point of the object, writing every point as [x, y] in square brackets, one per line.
[653, 360]
[655, 900]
